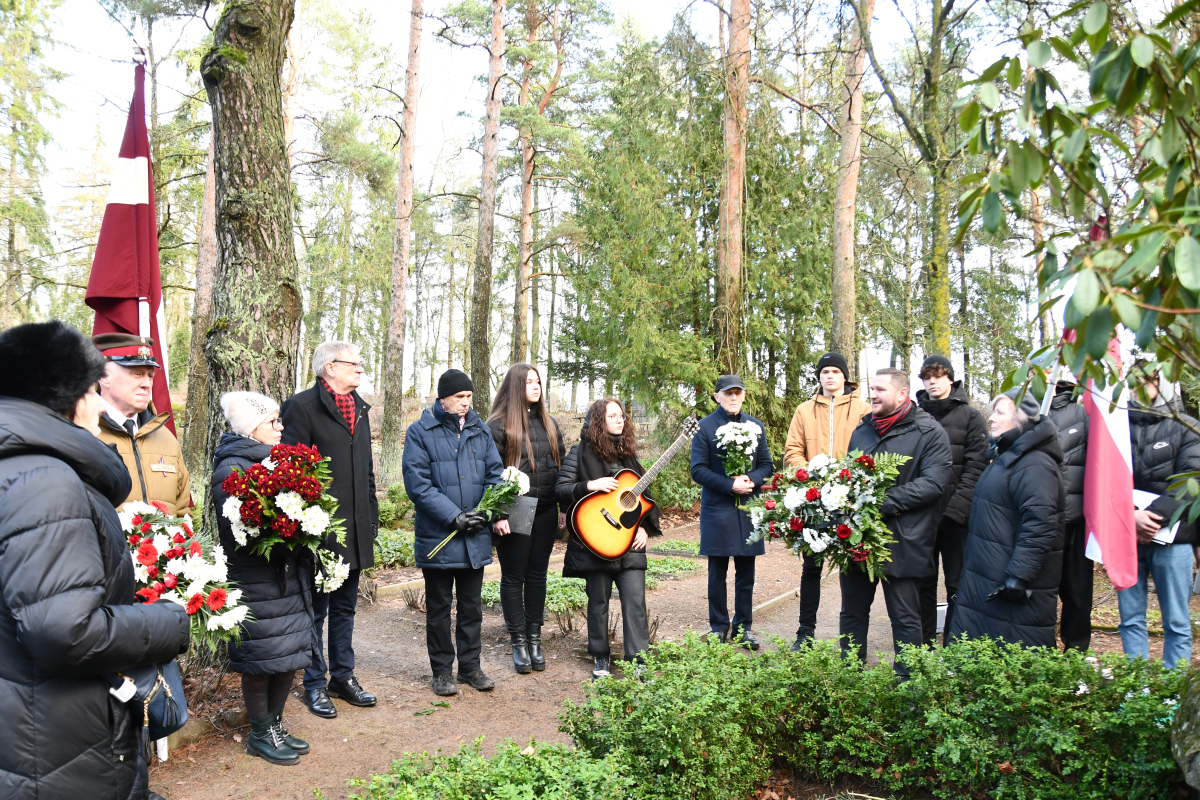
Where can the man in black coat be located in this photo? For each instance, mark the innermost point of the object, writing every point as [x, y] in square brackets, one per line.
[1078, 571]
[333, 418]
[945, 399]
[911, 511]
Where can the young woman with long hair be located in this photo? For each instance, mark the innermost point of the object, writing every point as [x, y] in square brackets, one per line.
[607, 445]
[528, 439]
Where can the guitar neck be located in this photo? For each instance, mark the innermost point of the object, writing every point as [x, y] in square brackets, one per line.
[652, 473]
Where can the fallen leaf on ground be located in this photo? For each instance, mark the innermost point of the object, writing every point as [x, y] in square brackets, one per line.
[237, 737]
[424, 713]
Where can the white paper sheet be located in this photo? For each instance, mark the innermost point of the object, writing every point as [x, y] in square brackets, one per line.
[1143, 500]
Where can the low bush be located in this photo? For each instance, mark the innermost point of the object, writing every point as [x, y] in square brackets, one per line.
[394, 507]
[662, 566]
[675, 546]
[562, 594]
[394, 548]
[674, 487]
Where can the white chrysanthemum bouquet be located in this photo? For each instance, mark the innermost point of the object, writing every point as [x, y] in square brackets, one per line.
[739, 440]
[496, 498]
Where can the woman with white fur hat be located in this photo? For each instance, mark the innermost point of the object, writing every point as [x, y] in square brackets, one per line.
[278, 590]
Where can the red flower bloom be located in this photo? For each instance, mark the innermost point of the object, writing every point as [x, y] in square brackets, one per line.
[771, 528]
[845, 473]
[251, 512]
[145, 527]
[859, 554]
[159, 587]
[137, 519]
[152, 571]
[216, 599]
[187, 529]
[866, 461]
[843, 531]
[285, 525]
[147, 594]
[193, 605]
[195, 549]
[801, 475]
[770, 504]
[177, 538]
[797, 523]
[146, 554]
[235, 485]
[170, 581]
[812, 494]
[161, 506]
[133, 540]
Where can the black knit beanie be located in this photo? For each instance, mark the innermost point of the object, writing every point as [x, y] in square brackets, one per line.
[937, 361]
[832, 359]
[56, 363]
[454, 381]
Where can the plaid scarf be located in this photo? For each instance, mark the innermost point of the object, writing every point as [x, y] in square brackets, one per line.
[345, 404]
[884, 424]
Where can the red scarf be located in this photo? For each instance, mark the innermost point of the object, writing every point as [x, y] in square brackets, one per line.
[345, 404]
[885, 424]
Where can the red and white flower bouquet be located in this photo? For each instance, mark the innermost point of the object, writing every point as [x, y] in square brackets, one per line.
[284, 501]
[169, 563]
[830, 509]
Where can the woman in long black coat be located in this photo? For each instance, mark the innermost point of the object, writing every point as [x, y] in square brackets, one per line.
[1009, 586]
[67, 611]
[279, 639]
[527, 437]
[607, 445]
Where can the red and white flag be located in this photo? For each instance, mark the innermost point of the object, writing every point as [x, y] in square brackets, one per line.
[125, 287]
[1108, 485]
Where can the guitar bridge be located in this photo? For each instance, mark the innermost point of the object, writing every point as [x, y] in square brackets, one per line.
[610, 519]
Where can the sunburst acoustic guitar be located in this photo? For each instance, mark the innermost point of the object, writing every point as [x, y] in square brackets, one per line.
[606, 522]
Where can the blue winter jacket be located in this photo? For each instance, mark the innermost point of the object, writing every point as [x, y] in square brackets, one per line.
[445, 474]
[724, 528]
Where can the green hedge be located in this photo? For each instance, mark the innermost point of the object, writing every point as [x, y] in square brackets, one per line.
[977, 719]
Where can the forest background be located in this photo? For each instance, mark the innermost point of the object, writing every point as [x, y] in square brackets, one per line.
[608, 267]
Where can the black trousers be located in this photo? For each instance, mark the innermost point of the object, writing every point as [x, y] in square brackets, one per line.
[1075, 589]
[635, 628]
[743, 594]
[902, 596]
[439, 594]
[523, 563]
[810, 596]
[950, 544]
[339, 606]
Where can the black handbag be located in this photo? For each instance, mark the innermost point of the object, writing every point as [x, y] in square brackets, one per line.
[159, 692]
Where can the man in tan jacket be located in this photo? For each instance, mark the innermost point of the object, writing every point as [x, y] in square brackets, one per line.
[150, 451]
[821, 425]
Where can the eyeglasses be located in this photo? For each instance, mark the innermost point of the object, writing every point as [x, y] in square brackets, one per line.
[276, 423]
[356, 365]
[616, 417]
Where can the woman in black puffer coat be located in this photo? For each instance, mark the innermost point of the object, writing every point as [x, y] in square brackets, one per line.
[527, 438]
[67, 611]
[279, 639]
[1009, 587]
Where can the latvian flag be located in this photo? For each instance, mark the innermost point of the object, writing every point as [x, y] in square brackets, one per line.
[125, 287]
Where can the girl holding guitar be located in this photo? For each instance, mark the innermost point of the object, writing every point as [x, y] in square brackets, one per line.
[607, 446]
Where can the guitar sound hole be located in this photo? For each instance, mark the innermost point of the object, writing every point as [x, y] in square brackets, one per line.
[628, 501]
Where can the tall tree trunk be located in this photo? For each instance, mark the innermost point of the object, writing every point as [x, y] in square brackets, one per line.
[845, 282]
[1045, 323]
[525, 237]
[937, 338]
[733, 178]
[481, 301]
[195, 423]
[256, 297]
[291, 90]
[962, 315]
[535, 310]
[393, 362]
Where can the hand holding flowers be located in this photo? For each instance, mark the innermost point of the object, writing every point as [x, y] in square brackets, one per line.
[496, 498]
[739, 440]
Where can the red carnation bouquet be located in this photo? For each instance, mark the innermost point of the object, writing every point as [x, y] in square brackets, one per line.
[284, 501]
[829, 509]
[169, 563]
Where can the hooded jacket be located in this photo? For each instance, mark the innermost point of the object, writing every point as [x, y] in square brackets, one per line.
[278, 591]
[154, 460]
[1071, 419]
[1016, 532]
[543, 478]
[968, 436]
[67, 613]
[1163, 447]
[446, 470]
[914, 504]
[823, 425]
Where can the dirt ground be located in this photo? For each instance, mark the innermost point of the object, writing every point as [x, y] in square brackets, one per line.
[393, 664]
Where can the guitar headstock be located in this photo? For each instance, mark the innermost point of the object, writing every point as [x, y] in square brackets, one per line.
[690, 426]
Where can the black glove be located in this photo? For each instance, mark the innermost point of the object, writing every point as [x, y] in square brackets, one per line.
[470, 522]
[1013, 591]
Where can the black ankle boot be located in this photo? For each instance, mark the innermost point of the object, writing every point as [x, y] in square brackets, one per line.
[520, 647]
[296, 743]
[536, 657]
[266, 741]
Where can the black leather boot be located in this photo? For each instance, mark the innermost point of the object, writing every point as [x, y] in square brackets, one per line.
[803, 637]
[520, 646]
[266, 741]
[536, 657]
[297, 744]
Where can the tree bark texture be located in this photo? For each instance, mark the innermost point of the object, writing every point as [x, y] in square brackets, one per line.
[252, 342]
[195, 421]
[733, 177]
[393, 360]
[481, 300]
[845, 284]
